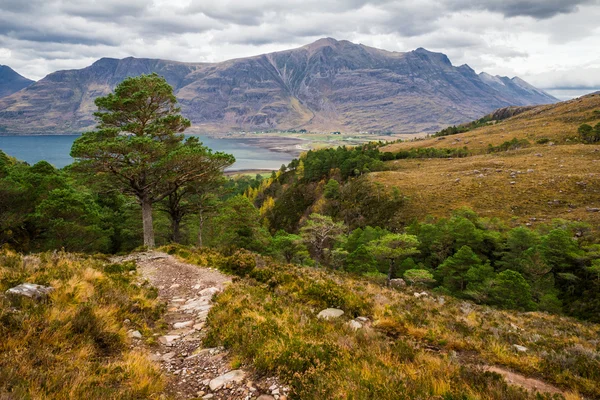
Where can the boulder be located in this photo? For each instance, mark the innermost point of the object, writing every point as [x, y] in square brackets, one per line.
[419, 295]
[30, 290]
[330, 313]
[398, 282]
[236, 375]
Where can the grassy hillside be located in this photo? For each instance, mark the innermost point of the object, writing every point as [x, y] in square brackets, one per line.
[429, 347]
[552, 176]
[75, 344]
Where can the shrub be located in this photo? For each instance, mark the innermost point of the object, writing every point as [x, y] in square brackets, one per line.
[241, 263]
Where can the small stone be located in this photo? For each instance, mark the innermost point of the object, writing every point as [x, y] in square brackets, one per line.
[419, 295]
[134, 334]
[185, 324]
[168, 339]
[354, 325]
[168, 356]
[362, 319]
[265, 397]
[232, 376]
[208, 396]
[174, 286]
[272, 387]
[126, 321]
[275, 392]
[519, 348]
[211, 291]
[330, 313]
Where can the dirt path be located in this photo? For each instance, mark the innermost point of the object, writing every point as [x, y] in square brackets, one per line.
[194, 371]
[531, 384]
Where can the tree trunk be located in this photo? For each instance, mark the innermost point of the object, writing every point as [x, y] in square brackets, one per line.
[391, 271]
[147, 223]
[175, 234]
[200, 227]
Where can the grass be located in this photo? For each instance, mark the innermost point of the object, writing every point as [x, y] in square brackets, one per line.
[554, 177]
[75, 344]
[412, 348]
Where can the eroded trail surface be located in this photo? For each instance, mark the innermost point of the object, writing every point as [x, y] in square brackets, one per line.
[194, 371]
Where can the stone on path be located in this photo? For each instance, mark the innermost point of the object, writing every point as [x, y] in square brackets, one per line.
[30, 290]
[330, 313]
[211, 291]
[265, 397]
[168, 339]
[236, 375]
[185, 324]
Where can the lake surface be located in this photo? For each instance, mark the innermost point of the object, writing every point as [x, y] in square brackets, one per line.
[55, 149]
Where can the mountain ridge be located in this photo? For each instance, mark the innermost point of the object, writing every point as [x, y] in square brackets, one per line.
[322, 86]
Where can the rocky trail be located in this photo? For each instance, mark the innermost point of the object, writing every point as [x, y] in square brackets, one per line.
[193, 371]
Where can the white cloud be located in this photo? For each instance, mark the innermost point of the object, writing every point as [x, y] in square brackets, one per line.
[552, 43]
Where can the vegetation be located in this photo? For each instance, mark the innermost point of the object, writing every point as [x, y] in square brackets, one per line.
[410, 348]
[74, 345]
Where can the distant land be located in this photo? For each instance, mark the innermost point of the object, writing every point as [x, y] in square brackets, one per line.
[328, 85]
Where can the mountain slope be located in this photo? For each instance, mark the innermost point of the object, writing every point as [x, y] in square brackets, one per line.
[326, 85]
[11, 81]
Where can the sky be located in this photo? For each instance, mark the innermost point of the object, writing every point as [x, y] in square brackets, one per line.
[552, 44]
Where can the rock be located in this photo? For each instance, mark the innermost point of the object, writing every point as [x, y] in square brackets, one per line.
[362, 319]
[185, 324]
[265, 397]
[232, 376]
[174, 286]
[168, 356]
[539, 155]
[330, 313]
[398, 282]
[208, 396]
[519, 348]
[211, 291]
[354, 325]
[198, 326]
[590, 209]
[30, 290]
[168, 339]
[275, 392]
[134, 334]
[419, 295]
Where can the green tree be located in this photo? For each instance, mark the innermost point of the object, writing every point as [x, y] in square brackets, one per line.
[138, 143]
[589, 134]
[319, 234]
[454, 269]
[288, 245]
[418, 277]
[393, 247]
[237, 226]
[195, 196]
[361, 261]
[511, 290]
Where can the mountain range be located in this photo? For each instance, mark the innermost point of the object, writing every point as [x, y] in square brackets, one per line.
[324, 86]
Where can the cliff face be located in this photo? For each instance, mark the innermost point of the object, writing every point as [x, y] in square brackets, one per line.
[11, 82]
[326, 85]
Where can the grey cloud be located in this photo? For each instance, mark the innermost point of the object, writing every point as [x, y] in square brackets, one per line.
[539, 9]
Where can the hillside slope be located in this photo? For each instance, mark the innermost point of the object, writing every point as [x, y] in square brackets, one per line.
[327, 85]
[551, 175]
[11, 82]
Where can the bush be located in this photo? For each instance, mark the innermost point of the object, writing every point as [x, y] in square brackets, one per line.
[241, 263]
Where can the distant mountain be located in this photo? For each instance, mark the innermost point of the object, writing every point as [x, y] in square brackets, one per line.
[327, 85]
[11, 81]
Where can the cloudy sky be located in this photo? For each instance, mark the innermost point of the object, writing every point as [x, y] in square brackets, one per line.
[553, 44]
